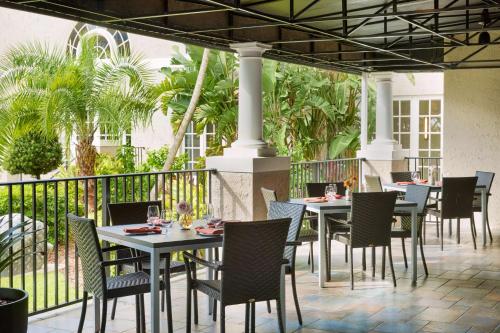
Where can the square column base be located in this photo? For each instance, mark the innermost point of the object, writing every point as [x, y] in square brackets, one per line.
[250, 152]
[236, 185]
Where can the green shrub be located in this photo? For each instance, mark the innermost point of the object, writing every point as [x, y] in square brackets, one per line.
[33, 154]
[40, 208]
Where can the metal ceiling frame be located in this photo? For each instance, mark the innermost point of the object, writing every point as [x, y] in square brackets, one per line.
[303, 37]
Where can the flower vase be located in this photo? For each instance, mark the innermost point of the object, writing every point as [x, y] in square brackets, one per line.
[347, 194]
[186, 221]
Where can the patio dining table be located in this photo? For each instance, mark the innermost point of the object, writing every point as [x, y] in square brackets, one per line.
[344, 206]
[480, 189]
[174, 240]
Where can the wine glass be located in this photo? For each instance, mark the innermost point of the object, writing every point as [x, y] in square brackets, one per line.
[415, 176]
[330, 191]
[208, 213]
[153, 214]
[166, 220]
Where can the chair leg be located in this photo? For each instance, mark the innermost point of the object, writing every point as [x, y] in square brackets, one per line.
[312, 257]
[329, 265]
[345, 253]
[143, 313]
[383, 262]
[471, 226]
[404, 252]
[423, 231]
[280, 318]
[373, 261]
[104, 315]
[113, 308]
[351, 261]
[392, 266]
[222, 319]
[84, 311]
[295, 298]
[252, 317]
[137, 315]
[247, 317]
[442, 222]
[268, 306]
[188, 309]
[168, 298]
[437, 226]
[214, 310]
[195, 296]
[423, 257]
[450, 231]
[458, 231]
[488, 225]
[364, 259]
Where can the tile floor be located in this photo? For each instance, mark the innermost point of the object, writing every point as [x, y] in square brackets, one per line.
[461, 294]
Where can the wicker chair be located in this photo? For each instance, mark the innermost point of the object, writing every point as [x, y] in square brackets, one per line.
[134, 213]
[335, 222]
[94, 276]
[281, 210]
[373, 184]
[420, 195]
[307, 233]
[456, 203]
[371, 222]
[402, 176]
[486, 179]
[251, 269]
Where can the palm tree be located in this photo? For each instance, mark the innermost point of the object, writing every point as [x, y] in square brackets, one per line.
[69, 96]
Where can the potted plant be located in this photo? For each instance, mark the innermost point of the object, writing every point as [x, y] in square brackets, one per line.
[13, 302]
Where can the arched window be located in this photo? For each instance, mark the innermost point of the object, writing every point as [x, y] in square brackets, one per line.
[108, 41]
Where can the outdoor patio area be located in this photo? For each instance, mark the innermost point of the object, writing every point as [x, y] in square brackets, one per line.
[461, 294]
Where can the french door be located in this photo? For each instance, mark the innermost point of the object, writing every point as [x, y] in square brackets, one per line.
[417, 124]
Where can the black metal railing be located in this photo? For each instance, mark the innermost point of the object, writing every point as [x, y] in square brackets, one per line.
[49, 268]
[423, 164]
[323, 171]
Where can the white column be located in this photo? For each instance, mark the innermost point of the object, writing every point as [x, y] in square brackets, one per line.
[249, 142]
[364, 110]
[384, 131]
[384, 147]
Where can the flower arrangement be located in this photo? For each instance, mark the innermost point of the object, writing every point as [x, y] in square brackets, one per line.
[350, 182]
[183, 208]
[185, 212]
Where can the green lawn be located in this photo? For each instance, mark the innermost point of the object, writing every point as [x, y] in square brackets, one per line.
[40, 285]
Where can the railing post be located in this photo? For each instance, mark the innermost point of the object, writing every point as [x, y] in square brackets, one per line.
[106, 190]
[360, 174]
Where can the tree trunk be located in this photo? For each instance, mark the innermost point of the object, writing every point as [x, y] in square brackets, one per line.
[188, 116]
[85, 161]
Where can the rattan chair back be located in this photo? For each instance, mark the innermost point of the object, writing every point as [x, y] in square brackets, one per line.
[253, 257]
[130, 212]
[282, 210]
[89, 250]
[485, 178]
[420, 195]
[269, 196]
[372, 218]
[373, 184]
[457, 197]
[318, 189]
[402, 176]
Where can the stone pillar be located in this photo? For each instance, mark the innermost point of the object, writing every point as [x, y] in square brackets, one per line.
[383, 154]
[249, 163]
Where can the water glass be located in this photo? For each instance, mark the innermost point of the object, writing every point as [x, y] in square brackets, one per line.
[208, 213]
[153, 214]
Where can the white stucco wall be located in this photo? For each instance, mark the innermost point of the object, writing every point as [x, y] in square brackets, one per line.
[472, 123]
[425, 84]
[18, 27]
